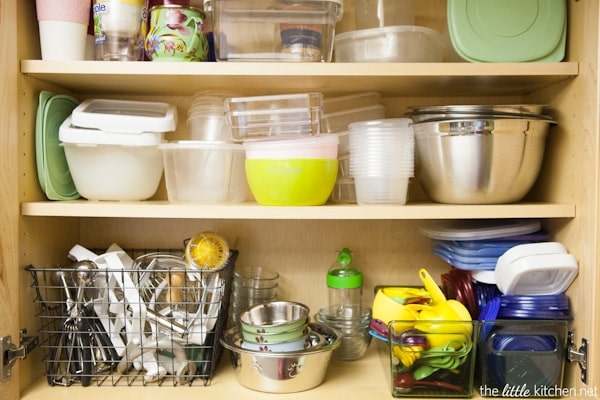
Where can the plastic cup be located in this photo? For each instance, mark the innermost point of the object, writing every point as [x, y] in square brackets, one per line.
[378, 13]
[118, 29]
[383, 189]
[63, 26]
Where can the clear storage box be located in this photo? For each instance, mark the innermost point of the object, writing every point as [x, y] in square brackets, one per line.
[274, 117]
[522, 358]
[275, 30]
[404, 43]
[432, 358]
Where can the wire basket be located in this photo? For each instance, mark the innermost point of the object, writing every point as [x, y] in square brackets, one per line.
[142, 318]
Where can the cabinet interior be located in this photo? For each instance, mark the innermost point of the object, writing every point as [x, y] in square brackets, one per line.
[390, 250]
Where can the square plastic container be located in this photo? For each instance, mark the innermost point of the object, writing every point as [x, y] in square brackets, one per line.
[405, 43]
[112, 165]
[432, 358]
[522, 358]
[275, 30]
[274, 117]
[203, 171]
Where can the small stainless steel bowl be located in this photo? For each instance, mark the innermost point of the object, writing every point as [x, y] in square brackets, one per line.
[274, 317]
[281, 372]
[479, 161]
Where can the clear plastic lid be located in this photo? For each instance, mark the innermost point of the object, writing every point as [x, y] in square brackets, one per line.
[479, 229]
[125, 116]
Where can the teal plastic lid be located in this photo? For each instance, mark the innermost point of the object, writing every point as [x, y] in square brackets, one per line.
[508, 30]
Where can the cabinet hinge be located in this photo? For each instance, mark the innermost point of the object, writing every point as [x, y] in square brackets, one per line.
[578, 355]
[9, 352]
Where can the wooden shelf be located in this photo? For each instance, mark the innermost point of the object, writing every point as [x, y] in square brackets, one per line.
[366, 378]
[421, 211]
[407, 79]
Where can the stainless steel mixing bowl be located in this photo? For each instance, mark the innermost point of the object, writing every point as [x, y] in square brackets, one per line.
[281, 372]
[479, 161]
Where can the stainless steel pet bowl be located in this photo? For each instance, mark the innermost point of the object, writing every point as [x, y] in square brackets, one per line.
[281, 372]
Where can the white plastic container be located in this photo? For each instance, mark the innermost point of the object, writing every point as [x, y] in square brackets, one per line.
[112, 165]
[403, 43]
[204, 171]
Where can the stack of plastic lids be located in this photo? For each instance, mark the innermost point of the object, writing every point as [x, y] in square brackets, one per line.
[476, 245]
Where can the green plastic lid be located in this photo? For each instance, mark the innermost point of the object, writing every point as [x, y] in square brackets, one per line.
[508, 30]
[345, 278]
[342, 277]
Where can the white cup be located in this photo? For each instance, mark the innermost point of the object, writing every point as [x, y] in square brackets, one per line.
[63, 40]
[63, 26]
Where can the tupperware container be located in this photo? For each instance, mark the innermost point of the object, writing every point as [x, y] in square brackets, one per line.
[294, 172]
[204, 171]
[275, 30]
[403, 43]
[272, 117]
[522, 358]
[112, 165]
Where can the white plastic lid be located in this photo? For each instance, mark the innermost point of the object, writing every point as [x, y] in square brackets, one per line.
[125, 116]
[479, 229]
[72, 134]
[541, 274]
[484, 276]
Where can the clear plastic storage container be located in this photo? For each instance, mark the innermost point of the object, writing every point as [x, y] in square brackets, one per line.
[280, 30]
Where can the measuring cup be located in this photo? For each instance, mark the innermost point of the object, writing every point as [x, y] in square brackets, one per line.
[436, 318]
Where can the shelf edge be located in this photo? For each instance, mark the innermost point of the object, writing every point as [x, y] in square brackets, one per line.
[250, 211]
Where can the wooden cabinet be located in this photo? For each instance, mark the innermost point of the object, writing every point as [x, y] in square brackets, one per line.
[299, 242]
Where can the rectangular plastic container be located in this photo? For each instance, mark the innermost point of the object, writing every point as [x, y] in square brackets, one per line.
[432, 358]
[522, 358]
[390, 44]
[275, 30]
[112, 165]
[274, 117]
[202, 171]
